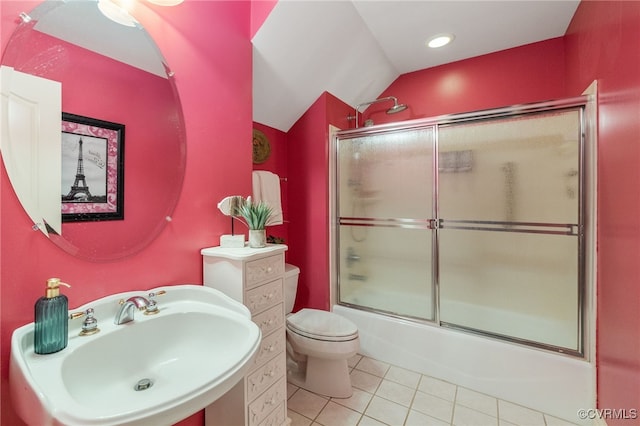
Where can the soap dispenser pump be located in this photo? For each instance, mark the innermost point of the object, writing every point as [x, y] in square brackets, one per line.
[51, 319]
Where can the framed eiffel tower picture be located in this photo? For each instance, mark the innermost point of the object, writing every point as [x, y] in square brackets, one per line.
[92, 169]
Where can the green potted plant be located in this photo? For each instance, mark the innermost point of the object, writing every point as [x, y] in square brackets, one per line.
[255, 216]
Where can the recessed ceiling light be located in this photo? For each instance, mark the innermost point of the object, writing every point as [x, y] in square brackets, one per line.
[440, 40]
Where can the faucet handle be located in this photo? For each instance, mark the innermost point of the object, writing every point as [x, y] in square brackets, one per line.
[157, 293]
[90, 323]
[152, 307]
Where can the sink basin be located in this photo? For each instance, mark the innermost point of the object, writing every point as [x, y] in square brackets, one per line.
[155, 370]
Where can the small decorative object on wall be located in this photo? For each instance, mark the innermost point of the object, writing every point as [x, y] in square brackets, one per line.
[92, 169]
[261, 147]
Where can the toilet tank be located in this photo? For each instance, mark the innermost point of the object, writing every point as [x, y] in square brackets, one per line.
[291, 273]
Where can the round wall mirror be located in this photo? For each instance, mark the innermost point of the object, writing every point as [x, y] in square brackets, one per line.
[110, 73]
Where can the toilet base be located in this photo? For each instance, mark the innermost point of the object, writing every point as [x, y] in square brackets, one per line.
[324, 377]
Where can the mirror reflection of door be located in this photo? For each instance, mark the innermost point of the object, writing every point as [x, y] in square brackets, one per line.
[31, 110]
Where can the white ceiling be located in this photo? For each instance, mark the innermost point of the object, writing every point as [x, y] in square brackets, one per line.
[82, 24]
[356, 49]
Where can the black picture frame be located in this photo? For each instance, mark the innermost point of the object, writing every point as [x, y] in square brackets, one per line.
[92, 169]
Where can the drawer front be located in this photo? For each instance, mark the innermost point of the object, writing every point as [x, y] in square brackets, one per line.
[267, 402]
[270, 319]
[260, 298]
[265, 376]
[277, 418]
[270, 346]
[261, 270]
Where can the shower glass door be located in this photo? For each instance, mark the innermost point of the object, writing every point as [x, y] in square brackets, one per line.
[385, 211]
[476, 222]
[510, 227]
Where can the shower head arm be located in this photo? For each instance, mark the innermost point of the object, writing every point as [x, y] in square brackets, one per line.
[388, 98]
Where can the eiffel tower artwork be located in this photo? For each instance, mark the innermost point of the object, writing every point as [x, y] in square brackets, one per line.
[79, 190]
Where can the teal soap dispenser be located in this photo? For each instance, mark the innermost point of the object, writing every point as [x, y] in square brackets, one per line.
[52, 319]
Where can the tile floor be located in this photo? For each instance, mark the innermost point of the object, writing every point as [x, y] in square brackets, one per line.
[385, 394]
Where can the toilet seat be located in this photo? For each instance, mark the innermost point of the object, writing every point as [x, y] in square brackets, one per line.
[322, 325]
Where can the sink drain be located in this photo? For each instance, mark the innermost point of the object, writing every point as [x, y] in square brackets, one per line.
[143, 384]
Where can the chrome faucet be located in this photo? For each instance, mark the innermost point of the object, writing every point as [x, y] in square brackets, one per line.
[127, 309]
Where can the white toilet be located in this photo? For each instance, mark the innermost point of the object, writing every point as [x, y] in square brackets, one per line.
[319, 343]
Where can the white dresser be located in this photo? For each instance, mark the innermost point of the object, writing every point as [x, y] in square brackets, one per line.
[254, 277]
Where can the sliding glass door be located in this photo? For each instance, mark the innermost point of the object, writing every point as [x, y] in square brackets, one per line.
[385, 208]
[475, 222]
[510, 226]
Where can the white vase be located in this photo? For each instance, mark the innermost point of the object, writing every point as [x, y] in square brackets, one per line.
[257, 238]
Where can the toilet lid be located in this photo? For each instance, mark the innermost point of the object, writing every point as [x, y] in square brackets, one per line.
[323, 325]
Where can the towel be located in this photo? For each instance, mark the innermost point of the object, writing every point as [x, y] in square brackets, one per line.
[266, 188]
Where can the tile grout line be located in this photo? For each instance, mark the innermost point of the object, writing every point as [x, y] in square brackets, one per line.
[320, 412]
[413, 398]
[313, 420]
[455, 402]
[375, 392]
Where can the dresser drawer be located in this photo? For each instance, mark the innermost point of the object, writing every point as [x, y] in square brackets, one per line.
[267, 402]
[270, 346]
[277, 418]
[261, 270]
[270, 319]
[265, 376]
[260, 298]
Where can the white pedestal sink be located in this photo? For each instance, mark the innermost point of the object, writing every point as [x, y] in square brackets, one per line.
[192, 352]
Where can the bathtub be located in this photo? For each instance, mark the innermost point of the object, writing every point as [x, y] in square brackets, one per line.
[546, 330]
[553, 383]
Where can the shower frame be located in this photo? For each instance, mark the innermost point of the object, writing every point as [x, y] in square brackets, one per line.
[585, 231]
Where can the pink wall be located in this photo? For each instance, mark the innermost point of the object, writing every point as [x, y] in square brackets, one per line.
[208, 46]
[308, 156]
[603, 43]
[259, 12]
[524, 74]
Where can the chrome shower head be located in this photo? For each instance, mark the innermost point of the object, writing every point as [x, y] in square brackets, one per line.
[396, 108]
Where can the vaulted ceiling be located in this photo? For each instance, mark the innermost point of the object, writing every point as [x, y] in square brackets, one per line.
[355, 49]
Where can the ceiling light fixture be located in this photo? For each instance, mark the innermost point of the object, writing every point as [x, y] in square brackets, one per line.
[440, 40]
[116, 13]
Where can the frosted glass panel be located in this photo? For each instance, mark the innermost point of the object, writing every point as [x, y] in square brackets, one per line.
[521, 169]
[387, 269]
[386, 184]
[514, 284]
[386, 175]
